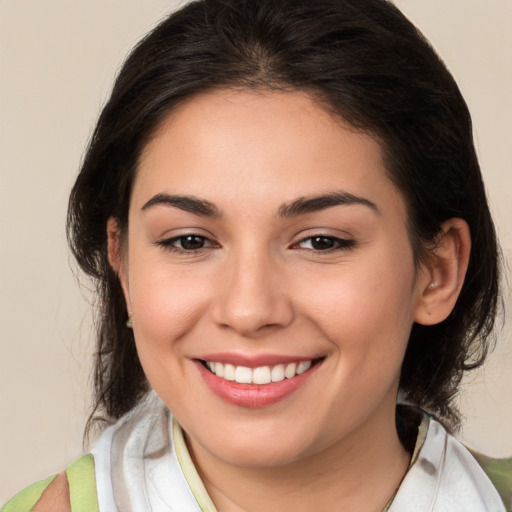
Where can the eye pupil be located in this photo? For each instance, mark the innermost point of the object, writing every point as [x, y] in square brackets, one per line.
[192, 242]
[322, 243]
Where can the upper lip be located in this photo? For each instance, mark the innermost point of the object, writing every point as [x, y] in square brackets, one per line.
[254, 360]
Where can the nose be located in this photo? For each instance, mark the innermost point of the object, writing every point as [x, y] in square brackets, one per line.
[253, 297]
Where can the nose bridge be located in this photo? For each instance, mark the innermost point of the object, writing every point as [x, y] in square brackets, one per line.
[252, 296]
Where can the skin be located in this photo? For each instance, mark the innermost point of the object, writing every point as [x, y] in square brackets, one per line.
[56, 497]
[257, 285]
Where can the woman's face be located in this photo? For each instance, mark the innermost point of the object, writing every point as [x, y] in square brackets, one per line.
[267, 243]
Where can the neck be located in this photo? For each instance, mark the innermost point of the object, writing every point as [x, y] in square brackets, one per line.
[360, 472]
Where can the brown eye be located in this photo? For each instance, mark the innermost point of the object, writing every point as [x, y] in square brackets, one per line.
[190, 242]
[323, 243]
[187, 243]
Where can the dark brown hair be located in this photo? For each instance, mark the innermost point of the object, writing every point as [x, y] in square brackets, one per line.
[364, 61]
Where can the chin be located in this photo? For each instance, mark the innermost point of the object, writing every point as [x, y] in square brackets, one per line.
[255, 447]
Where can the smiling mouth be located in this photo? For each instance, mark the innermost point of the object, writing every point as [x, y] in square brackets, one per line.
[260, 375]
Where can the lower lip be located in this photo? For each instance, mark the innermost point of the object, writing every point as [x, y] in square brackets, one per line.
[253, 395]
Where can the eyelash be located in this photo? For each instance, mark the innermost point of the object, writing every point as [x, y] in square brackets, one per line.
[339, 244]
[170, 244]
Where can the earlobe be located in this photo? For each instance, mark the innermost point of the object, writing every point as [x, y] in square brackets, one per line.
[443, 274]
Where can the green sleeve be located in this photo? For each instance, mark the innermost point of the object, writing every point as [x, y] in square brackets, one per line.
[499, 472]
[82, 485]
[26, 500]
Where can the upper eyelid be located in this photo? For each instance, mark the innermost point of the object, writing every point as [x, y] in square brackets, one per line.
[186, 235]
[343, 237]
[346, 240]
[169, 235]
[170, 242]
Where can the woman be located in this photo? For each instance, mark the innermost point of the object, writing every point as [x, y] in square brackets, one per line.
[283, 210]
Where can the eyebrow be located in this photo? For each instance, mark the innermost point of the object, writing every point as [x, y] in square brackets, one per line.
[186, 203]
[300, 206]
[309, 204]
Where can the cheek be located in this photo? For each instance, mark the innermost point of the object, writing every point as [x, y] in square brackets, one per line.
[166, 305]
[368, 306]
[166, 308]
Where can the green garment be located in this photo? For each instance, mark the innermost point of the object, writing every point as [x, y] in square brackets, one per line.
[82, 489]
[499, 472]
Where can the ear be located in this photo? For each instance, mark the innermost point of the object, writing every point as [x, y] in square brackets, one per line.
[443, 274]
[116, 257]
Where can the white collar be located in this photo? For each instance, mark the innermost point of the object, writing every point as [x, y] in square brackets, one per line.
[142, 463]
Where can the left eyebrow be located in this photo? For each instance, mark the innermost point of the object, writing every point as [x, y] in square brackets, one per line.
[186, 203]
[309, 204]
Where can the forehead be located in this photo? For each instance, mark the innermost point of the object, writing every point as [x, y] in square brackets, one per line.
[259, 144]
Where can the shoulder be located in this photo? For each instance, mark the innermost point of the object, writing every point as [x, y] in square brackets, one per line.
[56, 496]
[444, 476]
[50, 494]
[464, 477]
[499, 472]
[74, 487]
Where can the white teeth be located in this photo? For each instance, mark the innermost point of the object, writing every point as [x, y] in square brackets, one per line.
[277, 373]
[229, 372]
[243, 375]
[289, 371]
[303, 366]
[259, 375]
[219, 369]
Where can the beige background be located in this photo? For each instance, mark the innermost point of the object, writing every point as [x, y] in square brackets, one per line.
[57, 60]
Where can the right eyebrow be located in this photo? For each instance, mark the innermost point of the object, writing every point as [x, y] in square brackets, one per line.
[189, 204]
[309, 204]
